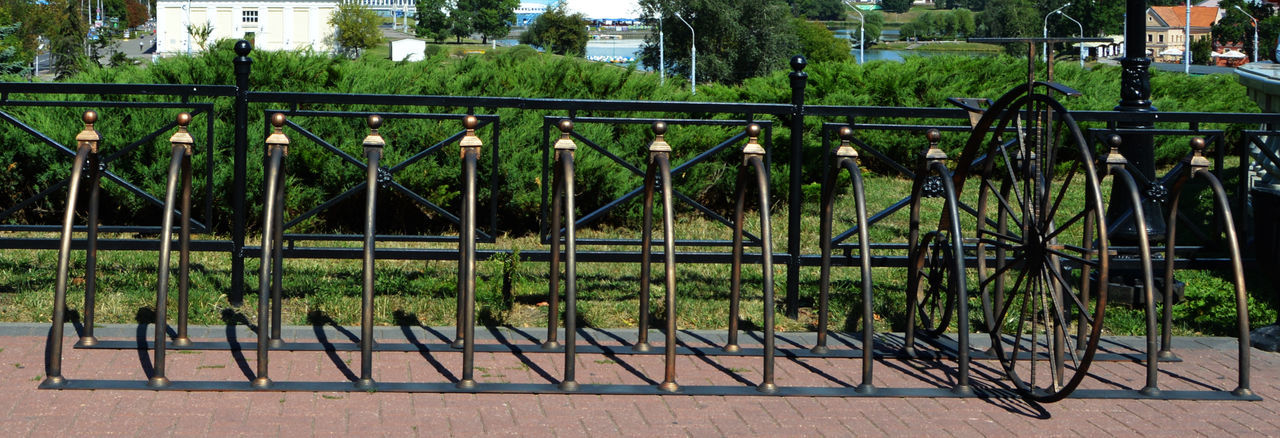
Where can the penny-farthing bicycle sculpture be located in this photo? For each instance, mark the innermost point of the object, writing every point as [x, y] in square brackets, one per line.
[1039, 235]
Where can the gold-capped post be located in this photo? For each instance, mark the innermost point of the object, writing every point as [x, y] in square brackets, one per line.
[277, 137]
[183, 137]
[1114, 157]
[374, 139]
[753, 141]
[1198, 160]
[470, 140]
[659, 141]
[89, 135]
[846, 149]
[934, 153]
[565, 143]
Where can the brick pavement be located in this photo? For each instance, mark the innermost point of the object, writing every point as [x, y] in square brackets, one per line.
[1209, 363]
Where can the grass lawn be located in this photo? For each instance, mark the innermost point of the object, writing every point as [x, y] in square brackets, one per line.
[513, 292]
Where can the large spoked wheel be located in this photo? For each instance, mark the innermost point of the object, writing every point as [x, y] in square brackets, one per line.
[1041, 225]
[933, 283]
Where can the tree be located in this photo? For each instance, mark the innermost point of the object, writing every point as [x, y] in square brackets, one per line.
[1009, 18]
[736, 39]
[200, 34]
[1202, 51]
[558, 31]
[459, 23]
[818, 9]
[818, 43]
[1099, 18]
[11, 59]
[136, 14]
[67, 44]
[896, 6]
[355, 28]
[490, 18]
[1236, 28]
[874, 21]
[433, 21]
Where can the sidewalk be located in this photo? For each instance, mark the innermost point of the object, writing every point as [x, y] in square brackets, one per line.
[1209, 363]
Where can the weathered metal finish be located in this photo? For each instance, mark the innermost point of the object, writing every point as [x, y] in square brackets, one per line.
[86, 146]
[753, 162]
[277, 145]
[563, 191]
[94, 165]
[659, 166]
[1198, 166]
[470, 151]
[179, 175]
[373, 145]
[846, 158]
[1127, 187]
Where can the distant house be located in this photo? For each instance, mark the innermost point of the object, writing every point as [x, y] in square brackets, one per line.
[271, 24]
[1167, 28]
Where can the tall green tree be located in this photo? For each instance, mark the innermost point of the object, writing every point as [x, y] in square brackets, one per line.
[67, 38]
[818, 43]
[460, 23]
[1236, 28]
[433, 20]
[490, 18]
[558, 31]
[11, 59]
[355, 29]
[896, 6]
[1009, 18]
[818, 9]
[736, 39]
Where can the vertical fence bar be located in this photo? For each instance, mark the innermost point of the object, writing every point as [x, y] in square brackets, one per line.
[470, 152]
[373, 144]
[277, 145]
[181, 142]
[86, 145]
[91, 251]
[565, 148]
[184, 240]
[795, 204]
[242, 64]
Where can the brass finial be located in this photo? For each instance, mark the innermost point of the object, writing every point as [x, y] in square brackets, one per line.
[89, 136]
[182, 137]
[846, 143]
[565, 143]
[374, 139]
[277, 137]
[934, 153]
[753, 141]
[659, 142]
[1198, 160]
[1115, 157]
[470, 140]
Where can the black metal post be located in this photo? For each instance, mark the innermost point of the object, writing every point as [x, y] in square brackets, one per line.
[564, 149]
[240, 174]
[795, 204]
[1139, 149]
[373, 144]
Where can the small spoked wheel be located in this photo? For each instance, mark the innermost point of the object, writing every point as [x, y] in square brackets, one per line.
[1041, 237]
[933, 283]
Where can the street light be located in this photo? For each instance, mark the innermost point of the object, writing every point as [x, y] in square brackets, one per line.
[1082, 48]
[1045, 29]
[693, 43]
[862, 24]
[662, 55]
[1255, 32]
[1186, 52]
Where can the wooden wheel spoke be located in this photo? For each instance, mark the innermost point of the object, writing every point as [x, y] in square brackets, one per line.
[1066, 225]
[999, 243]
[1060, 320]
[999, 271]
[1006, 239]
[1004, 313]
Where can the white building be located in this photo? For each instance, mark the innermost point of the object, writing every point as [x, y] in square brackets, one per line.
[271, 24]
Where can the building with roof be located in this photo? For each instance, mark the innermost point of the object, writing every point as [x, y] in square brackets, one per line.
[1167, 27]
[270, 24]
